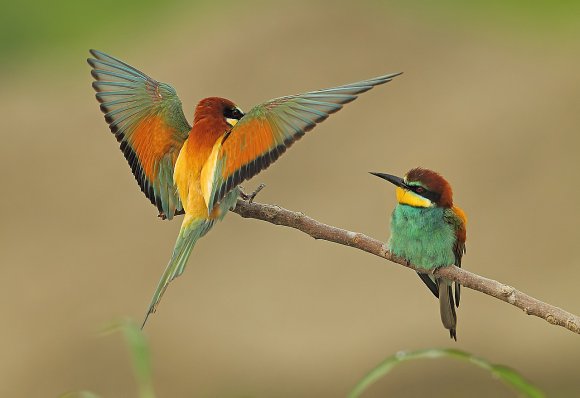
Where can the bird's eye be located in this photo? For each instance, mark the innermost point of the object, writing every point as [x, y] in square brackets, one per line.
[233, 113]
[420, 190]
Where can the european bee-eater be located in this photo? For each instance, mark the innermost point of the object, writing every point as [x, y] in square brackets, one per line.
[196, 169]
[429, 231]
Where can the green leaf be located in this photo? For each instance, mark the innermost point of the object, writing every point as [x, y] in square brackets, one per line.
[140, 355]
[504, 373]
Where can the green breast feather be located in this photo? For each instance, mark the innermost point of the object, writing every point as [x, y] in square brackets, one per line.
[423, 236]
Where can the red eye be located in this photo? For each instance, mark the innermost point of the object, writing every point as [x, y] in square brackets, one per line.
[419, 189]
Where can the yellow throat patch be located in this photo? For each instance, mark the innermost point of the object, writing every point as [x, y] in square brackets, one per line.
[410, 198]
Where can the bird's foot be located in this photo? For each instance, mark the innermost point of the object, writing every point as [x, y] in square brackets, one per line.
[163, 216]
[250, 198]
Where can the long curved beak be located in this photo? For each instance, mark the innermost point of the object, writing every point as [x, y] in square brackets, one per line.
[398, 181]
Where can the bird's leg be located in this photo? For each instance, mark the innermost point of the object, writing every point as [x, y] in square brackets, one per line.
[250, 198]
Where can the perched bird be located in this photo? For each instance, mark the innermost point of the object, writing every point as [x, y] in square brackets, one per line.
[429, 231]
[196, 169]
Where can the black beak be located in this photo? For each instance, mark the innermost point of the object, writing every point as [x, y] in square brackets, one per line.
[398, 181]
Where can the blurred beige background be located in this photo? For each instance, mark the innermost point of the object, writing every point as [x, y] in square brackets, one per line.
[491, 100]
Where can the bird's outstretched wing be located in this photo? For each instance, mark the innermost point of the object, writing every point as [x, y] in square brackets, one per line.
[147, 119]
[267, 130]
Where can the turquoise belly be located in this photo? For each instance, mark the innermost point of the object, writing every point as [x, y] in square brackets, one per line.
[422, 236]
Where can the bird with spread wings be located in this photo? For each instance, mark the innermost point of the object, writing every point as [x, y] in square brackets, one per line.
[196, 170]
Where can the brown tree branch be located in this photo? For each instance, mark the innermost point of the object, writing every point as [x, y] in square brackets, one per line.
[530, 305]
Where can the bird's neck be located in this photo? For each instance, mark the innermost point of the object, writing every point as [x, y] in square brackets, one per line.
[204, 135]
[195, 152]
[191, 160]
[421, 216]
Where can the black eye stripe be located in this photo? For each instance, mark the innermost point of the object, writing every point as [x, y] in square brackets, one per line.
[432, 196]
[232, 113]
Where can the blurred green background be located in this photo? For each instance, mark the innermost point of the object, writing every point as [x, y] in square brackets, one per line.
[490, 98]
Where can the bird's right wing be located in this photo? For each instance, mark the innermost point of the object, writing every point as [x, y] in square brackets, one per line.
[147, 119]
[267, 130]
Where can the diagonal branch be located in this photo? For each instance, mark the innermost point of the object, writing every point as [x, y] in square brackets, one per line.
[530, 305]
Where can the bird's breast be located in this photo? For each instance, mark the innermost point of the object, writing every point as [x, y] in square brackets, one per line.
[187, 173]
[422, 236]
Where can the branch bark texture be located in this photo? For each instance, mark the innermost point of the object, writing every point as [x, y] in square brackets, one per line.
[530, 305]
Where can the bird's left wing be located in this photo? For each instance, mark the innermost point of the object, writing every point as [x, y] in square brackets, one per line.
[458, 219]
[267, 130]
[460, 223]
[147, 119]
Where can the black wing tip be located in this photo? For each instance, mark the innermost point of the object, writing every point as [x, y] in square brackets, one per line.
[96, 87]
[341, 104]
[100, 99]
[431, 285]
[453, 334]
[252, 168]
[149, 312]
[322, 118]
[99, 55]
[109, 119]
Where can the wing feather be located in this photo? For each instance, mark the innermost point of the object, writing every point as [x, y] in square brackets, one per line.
[267, 130]
[147, 119]
[458, 219]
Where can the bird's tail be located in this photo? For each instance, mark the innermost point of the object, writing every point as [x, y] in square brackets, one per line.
[447, 307]
[191, 230]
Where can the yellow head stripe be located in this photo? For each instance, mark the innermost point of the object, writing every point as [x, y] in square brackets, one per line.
[410, 198]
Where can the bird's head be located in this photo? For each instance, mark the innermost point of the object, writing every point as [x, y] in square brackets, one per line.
[219, 111]
[421, 188]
